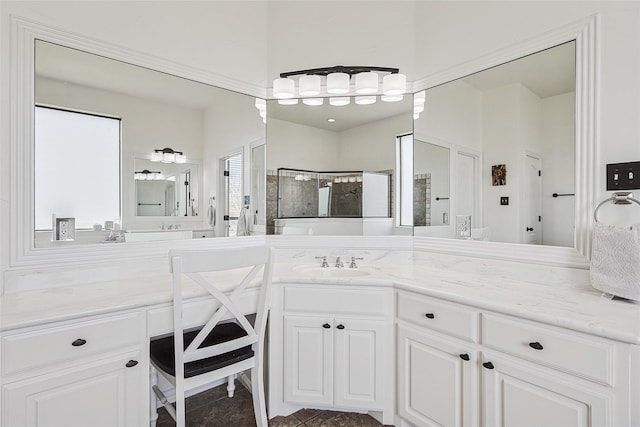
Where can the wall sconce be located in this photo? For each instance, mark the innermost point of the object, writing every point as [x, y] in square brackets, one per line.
[366, 82]
[168, 155]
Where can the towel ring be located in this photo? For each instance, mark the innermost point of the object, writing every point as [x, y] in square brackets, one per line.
[620, 198]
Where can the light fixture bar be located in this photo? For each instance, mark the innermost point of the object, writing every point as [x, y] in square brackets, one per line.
[351, 70]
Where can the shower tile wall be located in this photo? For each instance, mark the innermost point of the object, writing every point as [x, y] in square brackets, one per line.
[272, 200]
[346, 199]
[422, 200]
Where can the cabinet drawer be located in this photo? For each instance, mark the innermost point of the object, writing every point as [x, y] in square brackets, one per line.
[367, 302]
[70, 342]
[571, 352]
[196, 313]
[441, 316]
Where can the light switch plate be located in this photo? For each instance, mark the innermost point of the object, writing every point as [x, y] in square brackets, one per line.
[504, 201]
[623, 176]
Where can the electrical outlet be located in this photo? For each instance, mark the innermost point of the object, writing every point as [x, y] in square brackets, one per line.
[623, 176]
[504, 201]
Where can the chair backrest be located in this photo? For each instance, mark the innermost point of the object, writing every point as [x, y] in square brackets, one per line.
[192, 264]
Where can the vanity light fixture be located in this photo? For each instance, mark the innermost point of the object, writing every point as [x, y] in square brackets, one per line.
[168, 155]
[338, 79]
[147, 175]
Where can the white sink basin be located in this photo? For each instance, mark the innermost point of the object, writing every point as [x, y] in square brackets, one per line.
[316, 271]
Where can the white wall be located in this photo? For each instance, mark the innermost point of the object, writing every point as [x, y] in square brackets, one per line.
[372, 147]
[452, 115]
[297, 146]
[232, 124]
[558, 134]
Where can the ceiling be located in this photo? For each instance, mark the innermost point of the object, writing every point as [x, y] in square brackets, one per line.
[547, 73]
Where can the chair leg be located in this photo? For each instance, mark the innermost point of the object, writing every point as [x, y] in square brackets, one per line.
[257, 393]
[153, 400]
[231, 385]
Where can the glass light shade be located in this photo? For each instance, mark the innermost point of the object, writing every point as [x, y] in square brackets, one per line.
[261, 104]
[168, 157]
[181, 158]
[419, 97]
[138, 176]
[366, 82]
[155, 176]
[416, 116]
[156, 156]
[394, 84]
[338, 83]
[309, 85]
[263, 114]
[313, 101]
[171, 178]
[365, 100]
[284, 88]
[418, 108]
[340, 101]
[290, 101]
[391, 98]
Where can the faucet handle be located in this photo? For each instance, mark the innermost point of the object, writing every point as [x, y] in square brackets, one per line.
[325, 264]
[353, 261]
[339, 263]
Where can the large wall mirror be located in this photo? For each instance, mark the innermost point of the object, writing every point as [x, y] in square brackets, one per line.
[331, 168]
[494, 153]
[125, 153]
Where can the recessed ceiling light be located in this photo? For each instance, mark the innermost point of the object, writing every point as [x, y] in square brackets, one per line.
[331, 120]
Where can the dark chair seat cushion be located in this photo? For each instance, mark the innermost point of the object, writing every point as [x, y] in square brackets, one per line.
[163, 355]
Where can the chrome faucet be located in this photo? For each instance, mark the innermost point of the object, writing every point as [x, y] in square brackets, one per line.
[339, 263]
[325, 264]
[353, 262]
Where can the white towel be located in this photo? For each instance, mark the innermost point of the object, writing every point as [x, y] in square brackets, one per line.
[211, 215]
[615, 260]
[242, 229]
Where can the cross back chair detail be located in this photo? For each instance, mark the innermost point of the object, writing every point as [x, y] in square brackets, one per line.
[190, 359]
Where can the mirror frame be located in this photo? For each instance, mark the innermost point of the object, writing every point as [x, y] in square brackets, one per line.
[23, 253]
[587, 169]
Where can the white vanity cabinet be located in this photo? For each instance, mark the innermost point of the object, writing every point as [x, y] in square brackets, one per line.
[484, 368]
[90, 372]
[336, 348]
[437, 364]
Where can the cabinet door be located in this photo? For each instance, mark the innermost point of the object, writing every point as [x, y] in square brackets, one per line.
[308, 360]
[436, 385]
[360, 364]
[98, 394]
[524, 394]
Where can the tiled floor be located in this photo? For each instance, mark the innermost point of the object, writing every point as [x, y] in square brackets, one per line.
[213, 408]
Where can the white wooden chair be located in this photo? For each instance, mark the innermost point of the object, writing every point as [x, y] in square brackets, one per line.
[192, 359]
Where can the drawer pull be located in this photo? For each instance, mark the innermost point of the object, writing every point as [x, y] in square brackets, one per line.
[79, 342]
[536, 345]
[340, 326]
[464, 356]
[326, 326]
[430, 316]
[488, 365]
[131, 363]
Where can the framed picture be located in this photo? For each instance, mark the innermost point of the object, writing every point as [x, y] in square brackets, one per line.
[499, 175]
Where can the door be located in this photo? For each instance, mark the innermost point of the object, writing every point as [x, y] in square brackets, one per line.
[521, 394]
[466, 194]
[308, 360]
[437, 380]
[532, 201]
[359, 363]
[232, 202]
[108, 394]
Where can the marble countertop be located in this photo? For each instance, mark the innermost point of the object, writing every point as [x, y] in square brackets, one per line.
[564, 300]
